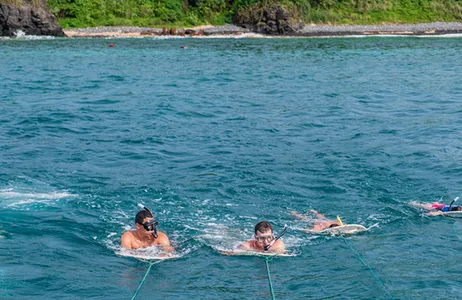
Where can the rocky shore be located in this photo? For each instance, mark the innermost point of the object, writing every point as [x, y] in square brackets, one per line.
[437, 28]
[32, 17]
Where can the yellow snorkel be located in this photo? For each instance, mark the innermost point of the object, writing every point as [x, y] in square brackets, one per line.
[340, 221]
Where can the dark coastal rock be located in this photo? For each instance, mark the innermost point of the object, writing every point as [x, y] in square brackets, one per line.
[30, 16]
[275, 20]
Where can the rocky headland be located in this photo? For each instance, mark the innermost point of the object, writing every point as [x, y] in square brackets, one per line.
[29, 16]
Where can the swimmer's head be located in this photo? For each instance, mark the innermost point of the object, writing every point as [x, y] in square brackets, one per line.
[141, 215]
[264, 234]
[144, 219]
[263, 227]
[456, 208]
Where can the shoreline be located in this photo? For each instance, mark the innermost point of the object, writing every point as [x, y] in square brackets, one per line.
[309, 30]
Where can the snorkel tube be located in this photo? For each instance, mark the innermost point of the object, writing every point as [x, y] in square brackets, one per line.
[150, 225]
[455, 199]
[276, 238]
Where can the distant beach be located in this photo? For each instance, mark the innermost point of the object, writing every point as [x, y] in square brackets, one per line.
[310, 30]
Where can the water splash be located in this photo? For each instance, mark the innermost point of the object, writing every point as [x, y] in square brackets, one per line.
[9, 197]
[20, 34]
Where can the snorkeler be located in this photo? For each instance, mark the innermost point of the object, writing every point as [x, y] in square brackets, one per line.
[437, 209]
[145, 234]
[264, 241]
[321, 223]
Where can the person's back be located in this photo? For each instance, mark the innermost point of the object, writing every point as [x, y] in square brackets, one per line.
[321, 222]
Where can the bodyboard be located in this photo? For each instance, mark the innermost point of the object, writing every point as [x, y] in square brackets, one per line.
[254, 253]
[147, 255]
[453, 214]
[345, 229]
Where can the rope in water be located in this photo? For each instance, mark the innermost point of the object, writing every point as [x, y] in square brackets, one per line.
[369, 267]
[455, 232]
[144, 278]
[267, 259]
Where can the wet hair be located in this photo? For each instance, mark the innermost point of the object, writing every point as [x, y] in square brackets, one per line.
[456, 208]
[333, 225]
[141, 215]
[263, 226]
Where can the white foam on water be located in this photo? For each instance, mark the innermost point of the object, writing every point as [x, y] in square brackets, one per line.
[8, 193]
[10, 197]
[169, 37]
[21, 35]
[373, 226]
[3, 234]
[449, 35]
[212, 36]
[39, 37]
[115, 37]
[231, 36]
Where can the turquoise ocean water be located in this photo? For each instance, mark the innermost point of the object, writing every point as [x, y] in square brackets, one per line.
[215, 137]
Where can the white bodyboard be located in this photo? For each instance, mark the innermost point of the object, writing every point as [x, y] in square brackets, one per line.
[147, 254]
[254, 253]
[345, 229]
[453, 214]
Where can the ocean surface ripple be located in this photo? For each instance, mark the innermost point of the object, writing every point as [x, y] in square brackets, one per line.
[214, 137]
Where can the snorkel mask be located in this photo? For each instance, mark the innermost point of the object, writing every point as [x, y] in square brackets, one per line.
[276, 238]
[150, 225]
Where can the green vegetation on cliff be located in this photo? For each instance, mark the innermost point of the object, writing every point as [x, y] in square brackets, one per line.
[177, 13]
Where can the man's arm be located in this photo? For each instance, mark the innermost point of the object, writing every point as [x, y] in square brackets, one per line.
[126, 240]
[164, 242]
[435, 213]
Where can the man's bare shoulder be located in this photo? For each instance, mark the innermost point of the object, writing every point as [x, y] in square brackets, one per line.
[278, 247]
[162, 237]
[127, 239]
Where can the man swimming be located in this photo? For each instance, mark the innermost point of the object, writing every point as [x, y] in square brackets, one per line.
[145, 234]
[320, 223]
[436, 208]
[263, 242]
